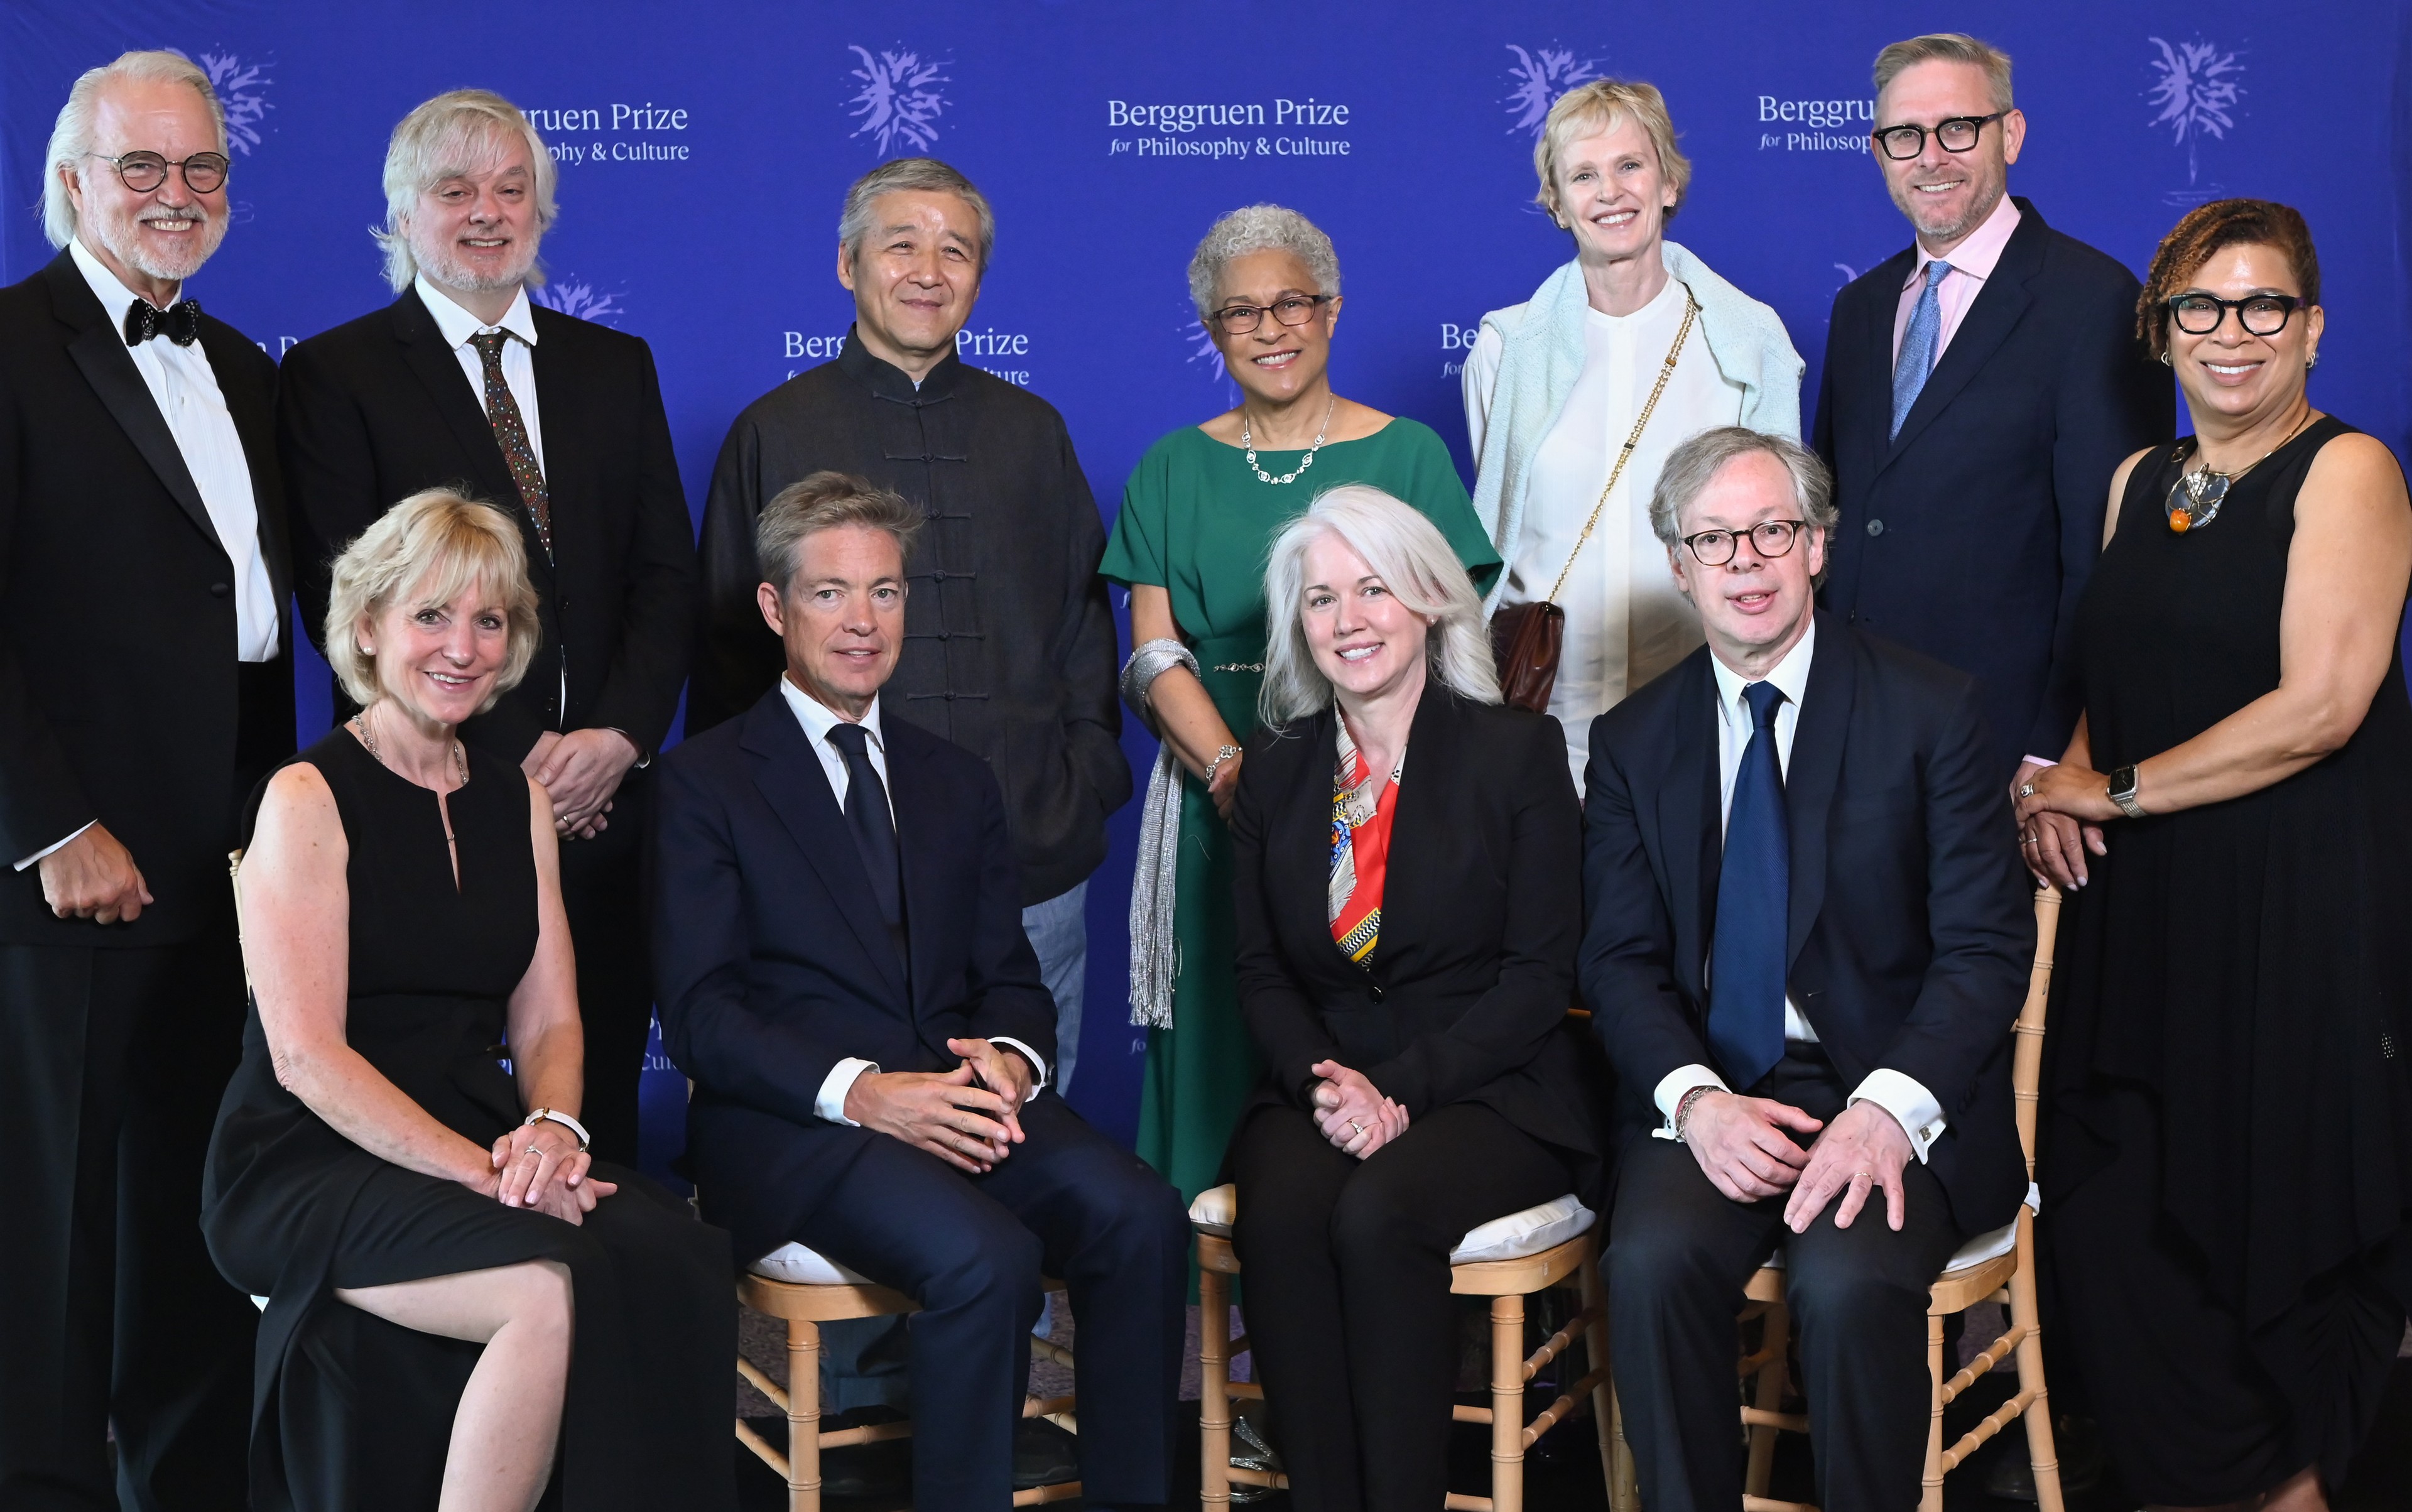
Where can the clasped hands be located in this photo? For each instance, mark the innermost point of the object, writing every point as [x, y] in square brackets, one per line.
[2061, 820]
[1744, 1152]
[1351, 1111]
[580, 771]
[969, 1117]
[539, 1166]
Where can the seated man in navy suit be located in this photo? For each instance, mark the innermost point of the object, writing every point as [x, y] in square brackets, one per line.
[841, 969]
[1808, 938]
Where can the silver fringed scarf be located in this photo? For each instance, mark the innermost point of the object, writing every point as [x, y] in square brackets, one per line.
[1154, 949]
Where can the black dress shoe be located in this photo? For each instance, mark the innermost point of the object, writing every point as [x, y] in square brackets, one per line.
[1043, 1455]
[2077, 1441]
[883, 1469]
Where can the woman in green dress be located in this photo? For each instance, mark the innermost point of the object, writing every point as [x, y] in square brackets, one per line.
[1196, 520]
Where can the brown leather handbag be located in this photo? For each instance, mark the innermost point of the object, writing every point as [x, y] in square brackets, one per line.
[1526, 639]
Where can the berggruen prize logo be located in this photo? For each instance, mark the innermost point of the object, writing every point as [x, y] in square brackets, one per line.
[1816, 125]
[1212, 129]
[1536, 79]
[580, 300]
[239, 87]
[1205, 354]
[2195, 90]
[621, 132]
[899, 101]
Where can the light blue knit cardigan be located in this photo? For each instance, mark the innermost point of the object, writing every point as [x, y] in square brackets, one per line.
[1541, 354]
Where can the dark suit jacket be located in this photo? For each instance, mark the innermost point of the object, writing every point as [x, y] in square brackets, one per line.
[1970, 536]
[1465, 997]
[118, 696]
[376, 410]
[771, 963]
[1910, 931]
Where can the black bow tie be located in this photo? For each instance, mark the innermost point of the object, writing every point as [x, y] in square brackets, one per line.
[181, 322]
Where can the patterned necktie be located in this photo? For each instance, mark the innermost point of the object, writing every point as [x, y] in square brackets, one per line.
[1754, 891]
[1918, 345]
[873, 826]
[180, 322]
[510, 433]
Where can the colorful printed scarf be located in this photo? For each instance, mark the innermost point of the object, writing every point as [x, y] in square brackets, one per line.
[1361, 810]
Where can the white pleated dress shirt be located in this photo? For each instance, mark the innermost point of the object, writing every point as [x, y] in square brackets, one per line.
[818, 719]
[1911, 1105]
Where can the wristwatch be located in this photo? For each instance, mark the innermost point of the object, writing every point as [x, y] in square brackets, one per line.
[2122, 791]
[554, 1115]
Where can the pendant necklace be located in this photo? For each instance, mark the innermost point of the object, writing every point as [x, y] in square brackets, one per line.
[1247, 443]
[2205, 489]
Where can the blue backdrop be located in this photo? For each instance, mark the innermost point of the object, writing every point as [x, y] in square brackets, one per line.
[704, 148]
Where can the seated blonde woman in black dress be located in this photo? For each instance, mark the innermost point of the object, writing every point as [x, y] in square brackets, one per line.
[460, 1306]
[1407, 875]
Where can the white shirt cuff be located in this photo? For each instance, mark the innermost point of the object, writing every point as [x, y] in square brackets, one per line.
[2038, 762]
[1672, 1088]
[51, 850]
[831, 1103]
[1910, 1104]
[1038, 1063]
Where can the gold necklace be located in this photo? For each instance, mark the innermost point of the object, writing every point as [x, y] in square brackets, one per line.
[2206, 487]
[359, 724]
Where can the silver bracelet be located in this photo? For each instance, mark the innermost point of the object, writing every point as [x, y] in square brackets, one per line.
[1221, 756]
[1684, 1107]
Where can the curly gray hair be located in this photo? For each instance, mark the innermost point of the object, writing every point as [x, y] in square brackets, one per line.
[1260, 228]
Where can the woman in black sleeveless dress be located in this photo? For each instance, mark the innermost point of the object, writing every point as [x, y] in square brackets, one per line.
[2227, 1164]
[459, 1308]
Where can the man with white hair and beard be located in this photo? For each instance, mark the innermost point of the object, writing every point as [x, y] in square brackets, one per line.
[559, 422]
[145, 686]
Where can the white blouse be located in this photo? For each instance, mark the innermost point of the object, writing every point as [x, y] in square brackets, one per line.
[1626, 621]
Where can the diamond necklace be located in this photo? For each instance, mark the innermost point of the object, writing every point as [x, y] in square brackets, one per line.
[1247, 444]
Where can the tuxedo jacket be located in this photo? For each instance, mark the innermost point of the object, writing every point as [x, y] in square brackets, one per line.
[1466, 996]
[1969, 536]
[772, 964]
[376, 410]
[118, 696]
[1911, 934]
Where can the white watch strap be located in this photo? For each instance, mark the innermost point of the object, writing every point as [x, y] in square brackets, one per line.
[554, 1115]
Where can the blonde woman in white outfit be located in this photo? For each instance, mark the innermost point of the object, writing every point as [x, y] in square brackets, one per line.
[1555, 387]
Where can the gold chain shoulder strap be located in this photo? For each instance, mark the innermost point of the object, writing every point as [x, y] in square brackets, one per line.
[1666, 370]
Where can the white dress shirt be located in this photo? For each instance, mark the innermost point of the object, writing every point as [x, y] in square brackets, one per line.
[1911, 1105]
[818, 719]
[519, 368]
[185, 388]
[1626, 621]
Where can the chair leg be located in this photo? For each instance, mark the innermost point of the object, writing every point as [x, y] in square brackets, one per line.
[1507, 1404]
[803, 1416]
[1624, 1488]
[2042, 1454]
[1776, 1337]
[1214, 1390]
[1932, 1497]
[1603, 1397]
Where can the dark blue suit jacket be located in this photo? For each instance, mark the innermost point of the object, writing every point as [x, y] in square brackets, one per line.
[771, 963]
[1970, 536]
[1910, 931]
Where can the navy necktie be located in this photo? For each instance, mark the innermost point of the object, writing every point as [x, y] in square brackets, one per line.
[1918, 346]
[874, 826]
[1754, 891]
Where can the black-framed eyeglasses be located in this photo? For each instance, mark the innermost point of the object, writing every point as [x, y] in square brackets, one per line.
[2260, 315]
[1289, 309]
[145, 171]
[1770, 539]
[1957, 135]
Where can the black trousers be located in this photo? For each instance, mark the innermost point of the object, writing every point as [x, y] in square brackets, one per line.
[1347, 1263]
[109, 1308]
[1680, 1252]
[1067, 1202]
[603, 892]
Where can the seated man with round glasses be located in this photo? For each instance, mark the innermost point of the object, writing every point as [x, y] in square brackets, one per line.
[1808, 938]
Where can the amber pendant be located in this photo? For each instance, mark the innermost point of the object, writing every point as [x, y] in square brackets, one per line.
[2181, 521]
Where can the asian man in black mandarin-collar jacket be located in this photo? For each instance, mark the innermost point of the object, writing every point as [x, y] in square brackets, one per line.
[777, 965]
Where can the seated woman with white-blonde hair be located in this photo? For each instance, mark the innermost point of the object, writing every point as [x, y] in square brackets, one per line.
[460, 1306]
[1408, 883]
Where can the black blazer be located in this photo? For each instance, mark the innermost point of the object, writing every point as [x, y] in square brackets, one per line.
[1970, 536]
[118, 697]
[1910, 930]
[771, 963]
[1466, 998]
[376, 410]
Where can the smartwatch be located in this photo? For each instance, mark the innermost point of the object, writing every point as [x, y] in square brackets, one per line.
[2122, 791]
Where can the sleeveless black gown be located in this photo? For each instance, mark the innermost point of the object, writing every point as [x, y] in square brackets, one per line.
[350, 1411]
[2227, 1164]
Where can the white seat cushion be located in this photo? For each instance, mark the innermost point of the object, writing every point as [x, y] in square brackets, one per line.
[1512, 1238]
[805, 1268]
[1987, 1246]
